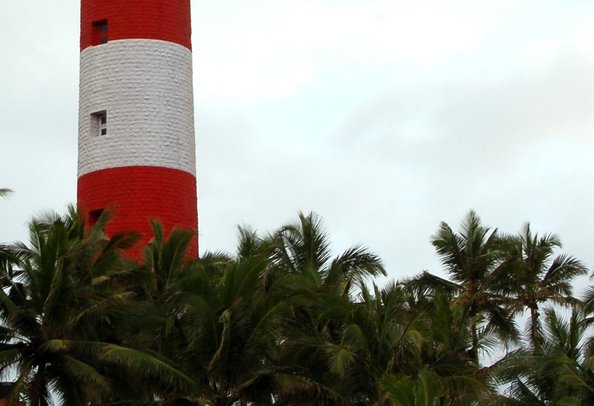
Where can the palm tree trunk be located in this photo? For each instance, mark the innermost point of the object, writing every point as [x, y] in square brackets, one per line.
[37, 398]
[535, 336]
[474, 354]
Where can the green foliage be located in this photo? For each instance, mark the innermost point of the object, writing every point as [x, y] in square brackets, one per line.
[283, 321]
[560, 371]
[59, 312]
[425, 390]
[537, 278]
[475, 259]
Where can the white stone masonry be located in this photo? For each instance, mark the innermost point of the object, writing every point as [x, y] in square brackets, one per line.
[145, 88]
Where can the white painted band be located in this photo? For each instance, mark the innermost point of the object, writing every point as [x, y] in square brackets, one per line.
[145, 89]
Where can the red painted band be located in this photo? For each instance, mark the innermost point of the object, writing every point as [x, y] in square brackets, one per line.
[166, 20]
[140, 193]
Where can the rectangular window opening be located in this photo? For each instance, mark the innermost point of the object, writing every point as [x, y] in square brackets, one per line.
[94, 217]
[100, 32]
[99, 123]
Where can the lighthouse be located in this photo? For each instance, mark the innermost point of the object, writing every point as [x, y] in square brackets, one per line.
[136, 148]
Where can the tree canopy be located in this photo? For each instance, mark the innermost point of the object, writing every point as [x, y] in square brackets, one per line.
[284, 321]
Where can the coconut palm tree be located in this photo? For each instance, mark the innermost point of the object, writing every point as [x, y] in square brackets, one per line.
[474, 260]
[560, 372]
[59, 311]
[4, 250]
[425, 390]
[217, 318]
[232, 326]
[303, 248]
[537, 277]
[450, 353]
[379, 337]
[321, 290]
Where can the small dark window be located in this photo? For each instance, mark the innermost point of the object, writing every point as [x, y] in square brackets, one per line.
[104, 131]
[100, 32]
[94, 217]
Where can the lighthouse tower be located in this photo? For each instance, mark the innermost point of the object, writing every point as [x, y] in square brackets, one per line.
[136, 115]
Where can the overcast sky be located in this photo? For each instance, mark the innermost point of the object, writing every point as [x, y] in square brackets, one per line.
[385, 117]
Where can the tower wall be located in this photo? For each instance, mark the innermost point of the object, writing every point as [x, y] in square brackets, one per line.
[136, 115]
[145, 87]
[166, 20]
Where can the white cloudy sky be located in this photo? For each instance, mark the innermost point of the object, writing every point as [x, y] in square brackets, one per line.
[385, 117]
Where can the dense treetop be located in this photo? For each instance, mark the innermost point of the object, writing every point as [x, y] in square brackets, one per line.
[284, 321]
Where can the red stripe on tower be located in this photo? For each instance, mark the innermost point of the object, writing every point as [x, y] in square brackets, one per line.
[136, 115]
[165, 20]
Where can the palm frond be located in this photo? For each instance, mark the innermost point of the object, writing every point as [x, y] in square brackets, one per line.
[356, 263]
[146, 366]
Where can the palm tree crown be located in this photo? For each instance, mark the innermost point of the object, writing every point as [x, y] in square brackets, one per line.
[537, 277]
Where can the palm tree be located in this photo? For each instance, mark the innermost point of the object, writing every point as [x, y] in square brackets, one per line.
[450, 353]
[59, 312]
[381, 339]
[473, 258]
[232, 326]
[560, 372]
[320, 291]
[4, 250]
[303, 248]
[538, 278]
[217, 318]
[425, 390]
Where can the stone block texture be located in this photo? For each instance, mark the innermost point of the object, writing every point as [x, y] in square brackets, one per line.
[145, 88]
